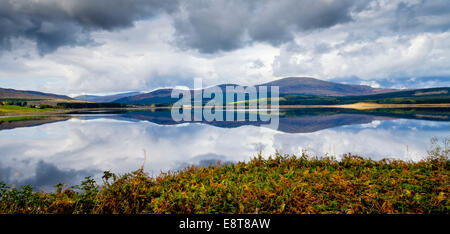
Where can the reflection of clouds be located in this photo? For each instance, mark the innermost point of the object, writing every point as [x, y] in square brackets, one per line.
[47, 175]
[44, 176]
[68, 151]
[372, 124]
[117, 146]
[386, 141]
[205, 160]
[6, 174]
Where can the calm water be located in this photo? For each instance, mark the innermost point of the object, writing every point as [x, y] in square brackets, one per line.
[45, 151]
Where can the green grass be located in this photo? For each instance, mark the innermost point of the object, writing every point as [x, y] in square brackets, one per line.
[21, 109]
[281, 184]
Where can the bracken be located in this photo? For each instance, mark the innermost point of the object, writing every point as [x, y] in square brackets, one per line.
[279, 184]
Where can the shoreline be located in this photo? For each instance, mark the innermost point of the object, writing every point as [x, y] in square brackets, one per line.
[356, 106]
[67, 111]
[366, 106]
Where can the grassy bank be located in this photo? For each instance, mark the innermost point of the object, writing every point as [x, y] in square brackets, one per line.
[23, 109]
[275, 185]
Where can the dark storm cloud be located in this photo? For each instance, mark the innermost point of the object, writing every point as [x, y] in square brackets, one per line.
[422, 16]
[276, 22]
[212, 26]
[206, 26]
[54, 23]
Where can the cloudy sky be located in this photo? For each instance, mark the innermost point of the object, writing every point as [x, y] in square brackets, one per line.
[107, 46]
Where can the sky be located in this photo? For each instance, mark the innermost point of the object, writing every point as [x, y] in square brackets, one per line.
[78, 47]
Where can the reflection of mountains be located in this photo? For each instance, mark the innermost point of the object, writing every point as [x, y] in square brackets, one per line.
[306, 120]
[30, 121]
[290, 121]
[306, 124]
[294, 124]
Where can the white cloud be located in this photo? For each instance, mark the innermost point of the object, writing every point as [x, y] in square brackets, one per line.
[388, 56]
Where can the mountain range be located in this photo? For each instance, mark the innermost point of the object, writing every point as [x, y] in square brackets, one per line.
[106, 98]
[292, 90]
[25, 94]
[312, 86]
[289, 85]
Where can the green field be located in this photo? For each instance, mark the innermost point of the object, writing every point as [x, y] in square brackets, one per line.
[22, 109]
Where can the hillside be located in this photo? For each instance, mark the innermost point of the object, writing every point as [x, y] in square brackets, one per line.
[289, 85]
[312, 86]
[22, 94]
[417, 96]
[106, 98]
[310, 91]
[160, 96]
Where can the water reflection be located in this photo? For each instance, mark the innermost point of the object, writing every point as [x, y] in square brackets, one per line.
[72, 147]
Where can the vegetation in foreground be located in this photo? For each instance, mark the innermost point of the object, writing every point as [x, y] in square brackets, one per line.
[281, 184]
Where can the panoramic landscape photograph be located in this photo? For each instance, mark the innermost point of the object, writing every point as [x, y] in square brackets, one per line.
[257, 108]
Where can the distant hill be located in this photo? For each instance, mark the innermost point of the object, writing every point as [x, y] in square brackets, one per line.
[312, 86]
[106, 98]
[290, 85]
[22, 94]
[160, 96]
